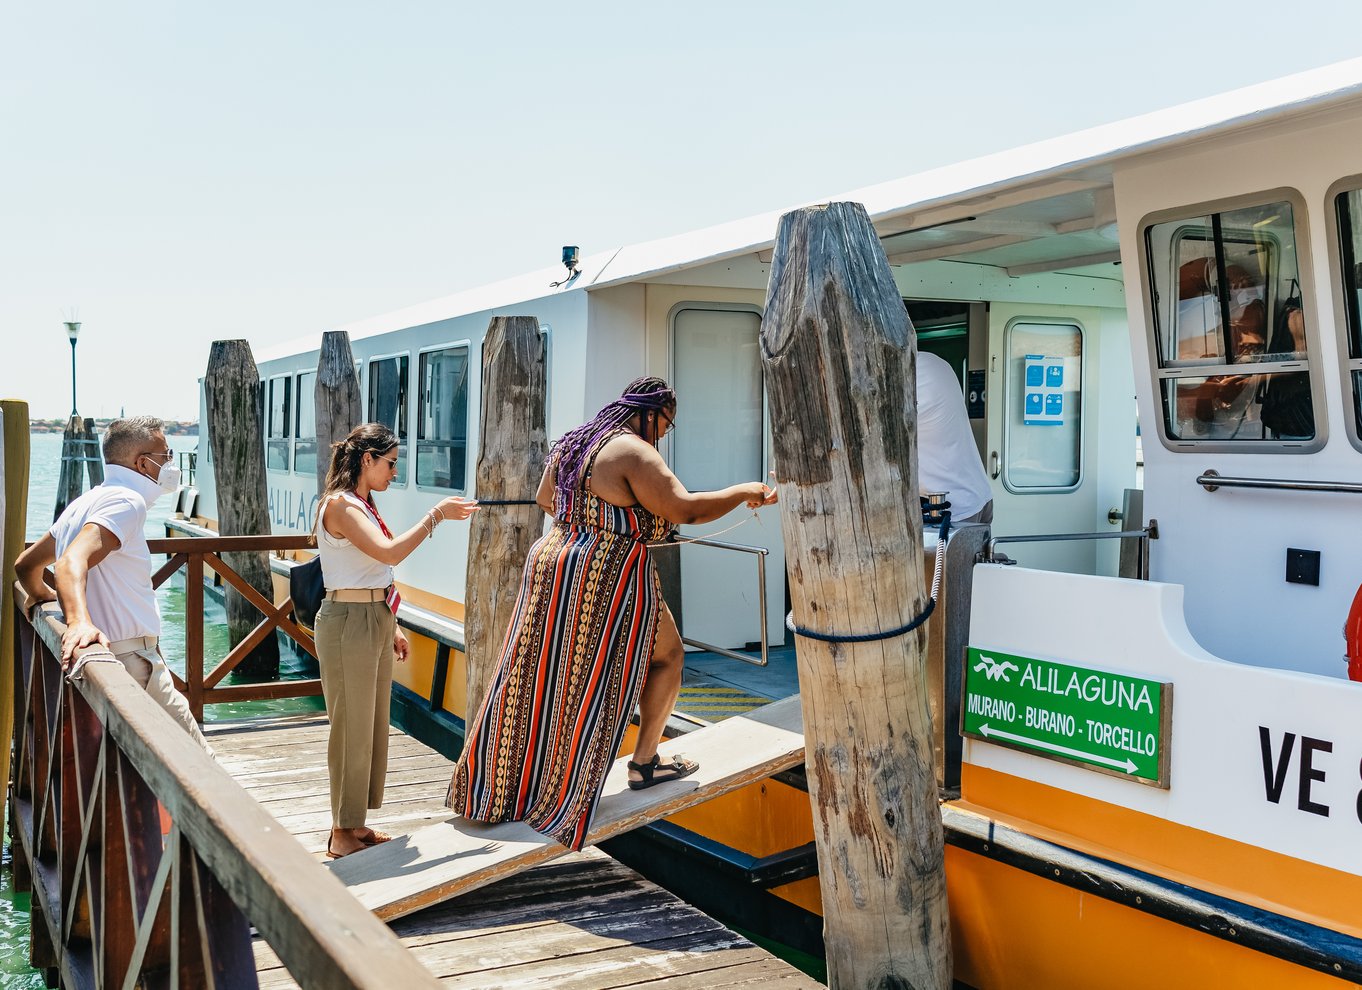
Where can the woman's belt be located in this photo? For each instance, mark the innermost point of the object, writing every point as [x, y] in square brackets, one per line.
[357, 594]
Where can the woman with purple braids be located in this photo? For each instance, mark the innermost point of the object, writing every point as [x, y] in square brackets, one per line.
[591, 636]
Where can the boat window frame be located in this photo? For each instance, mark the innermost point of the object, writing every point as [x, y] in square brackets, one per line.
[409, 442]
[286, 438]
[1343, 309]
[1062, 321]
[418, 424]
[298, 437]
[1305, 277]
[711, 305]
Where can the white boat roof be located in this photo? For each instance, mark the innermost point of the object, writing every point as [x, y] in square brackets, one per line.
[1082, 151]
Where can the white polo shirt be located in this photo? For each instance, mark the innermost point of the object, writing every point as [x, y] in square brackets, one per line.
[947, 457]
[118, 589]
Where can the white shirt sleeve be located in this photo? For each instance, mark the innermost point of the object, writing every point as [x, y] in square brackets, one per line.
[122, 517]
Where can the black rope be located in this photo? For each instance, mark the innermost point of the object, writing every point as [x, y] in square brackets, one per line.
[918, 620]
[506, 501]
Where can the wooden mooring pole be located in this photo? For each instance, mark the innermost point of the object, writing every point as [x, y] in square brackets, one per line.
[236, 438]
[513, 442]
[80, 459]
[839, 358]
[14, 462]
[336, 395]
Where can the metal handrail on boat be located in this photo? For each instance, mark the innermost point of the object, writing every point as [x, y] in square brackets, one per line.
[760, 553]
[1212, 480]
[1151, 532]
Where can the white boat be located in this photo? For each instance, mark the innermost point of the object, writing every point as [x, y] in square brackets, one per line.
[1159, 777]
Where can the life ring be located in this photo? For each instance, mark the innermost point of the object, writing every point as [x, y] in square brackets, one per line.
[1352, 633]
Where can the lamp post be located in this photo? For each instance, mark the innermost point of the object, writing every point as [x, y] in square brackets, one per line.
[72, 332]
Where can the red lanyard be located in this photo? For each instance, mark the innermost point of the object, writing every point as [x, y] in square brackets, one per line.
[393, 598]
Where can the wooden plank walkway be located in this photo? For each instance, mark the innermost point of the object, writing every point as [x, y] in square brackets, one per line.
[444, 860]
[587, 923]
[584, 923]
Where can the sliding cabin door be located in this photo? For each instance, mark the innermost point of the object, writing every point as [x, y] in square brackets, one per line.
[720, 439]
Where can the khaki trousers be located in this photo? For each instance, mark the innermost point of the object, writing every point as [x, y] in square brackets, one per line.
[355, 654]
[148, 669]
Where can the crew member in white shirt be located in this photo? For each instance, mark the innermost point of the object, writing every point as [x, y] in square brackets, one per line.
[947, 457]
[103, 567]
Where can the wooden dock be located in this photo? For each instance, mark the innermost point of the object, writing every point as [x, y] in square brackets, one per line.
[585, 922]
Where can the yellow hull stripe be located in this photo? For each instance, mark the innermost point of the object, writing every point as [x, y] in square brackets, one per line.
[1210, 862]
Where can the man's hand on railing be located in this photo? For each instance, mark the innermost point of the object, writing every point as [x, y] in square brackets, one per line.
[79, 635]
[30, 604]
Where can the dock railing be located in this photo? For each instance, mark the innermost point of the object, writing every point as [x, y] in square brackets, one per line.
[196, 555]
[147, 863]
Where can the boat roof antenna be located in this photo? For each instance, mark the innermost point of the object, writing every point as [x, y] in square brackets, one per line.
[570, 255]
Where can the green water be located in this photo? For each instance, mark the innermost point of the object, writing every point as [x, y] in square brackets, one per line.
[44, 468]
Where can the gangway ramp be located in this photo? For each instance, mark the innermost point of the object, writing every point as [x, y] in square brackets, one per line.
[441, 861]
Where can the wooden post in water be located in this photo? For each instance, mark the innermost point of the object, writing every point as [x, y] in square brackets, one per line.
[513, 442]
[14, 461]
[839, 359]
[236, 436]
[337, 398]
[80, 459]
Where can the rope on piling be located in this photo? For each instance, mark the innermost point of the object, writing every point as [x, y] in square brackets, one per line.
[908, 627]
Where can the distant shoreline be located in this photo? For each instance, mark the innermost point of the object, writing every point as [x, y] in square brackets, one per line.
[179, 428]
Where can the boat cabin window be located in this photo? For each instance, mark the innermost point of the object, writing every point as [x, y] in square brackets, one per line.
[388, 403]
[442, 437]
[1229, 323]
[305, 424]
[717, 368]
[1043, 396]
[1348, 215]
[278, 406]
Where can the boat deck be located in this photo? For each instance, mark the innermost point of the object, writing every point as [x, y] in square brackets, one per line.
[583, 922]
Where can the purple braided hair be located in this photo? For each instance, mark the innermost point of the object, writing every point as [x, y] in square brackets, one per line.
[571, 449]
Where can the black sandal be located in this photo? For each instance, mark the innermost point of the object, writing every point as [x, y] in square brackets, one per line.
[678, 767]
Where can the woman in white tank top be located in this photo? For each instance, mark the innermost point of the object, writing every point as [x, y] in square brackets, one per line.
[356, 629]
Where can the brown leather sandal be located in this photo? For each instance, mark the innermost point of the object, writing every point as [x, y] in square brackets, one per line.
[375, 837]
[657, 772]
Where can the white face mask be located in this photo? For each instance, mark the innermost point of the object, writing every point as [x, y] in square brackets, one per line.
[168, 478]
[1242, 299]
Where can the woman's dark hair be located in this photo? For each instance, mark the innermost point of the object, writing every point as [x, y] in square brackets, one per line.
[347, 458]
[571, 449]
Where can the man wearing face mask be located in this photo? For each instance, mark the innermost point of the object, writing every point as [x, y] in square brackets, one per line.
[103, 567]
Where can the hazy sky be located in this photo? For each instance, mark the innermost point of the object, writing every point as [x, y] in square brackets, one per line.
[180, 172]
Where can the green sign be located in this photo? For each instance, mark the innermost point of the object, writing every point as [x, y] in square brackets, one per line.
[1093, 718]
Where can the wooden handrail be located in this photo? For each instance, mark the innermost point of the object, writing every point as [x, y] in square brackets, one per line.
[197, 554]
[115, 901]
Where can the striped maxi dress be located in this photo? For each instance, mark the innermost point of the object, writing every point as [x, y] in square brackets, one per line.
[570, 671]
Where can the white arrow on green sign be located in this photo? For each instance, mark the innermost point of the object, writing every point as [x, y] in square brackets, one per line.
[1098, 719]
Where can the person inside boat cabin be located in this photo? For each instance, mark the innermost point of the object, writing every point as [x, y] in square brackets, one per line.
[103, 567]
[356, 629]
[1202, 300]
[591, 636]
[947, 456]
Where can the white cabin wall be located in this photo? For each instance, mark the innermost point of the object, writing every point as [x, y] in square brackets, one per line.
[203, 464]
[617, 318]
[1112, 385]
[1229, 547]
